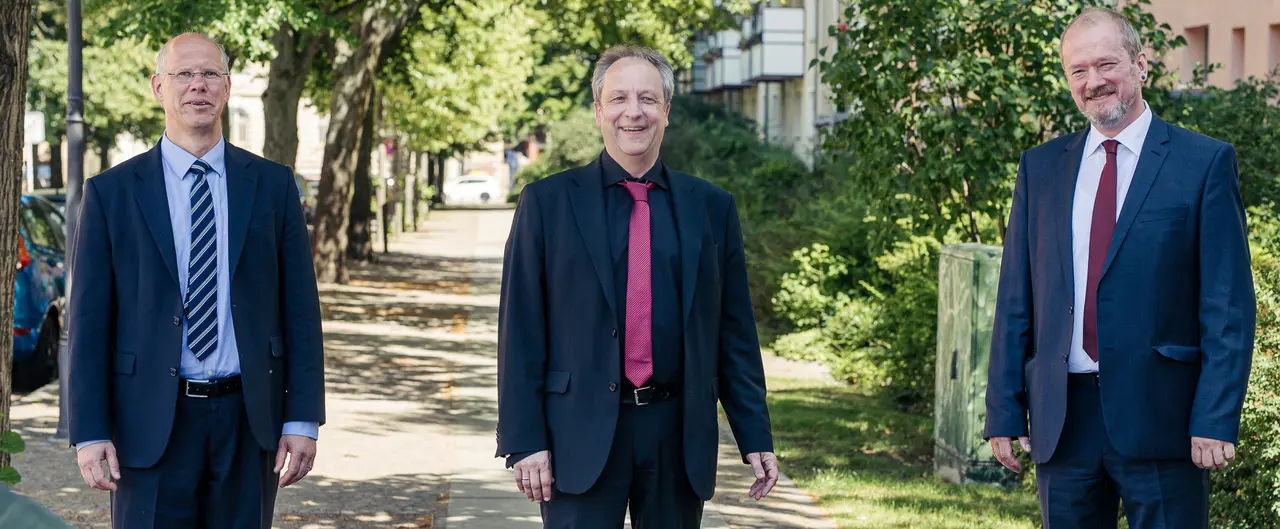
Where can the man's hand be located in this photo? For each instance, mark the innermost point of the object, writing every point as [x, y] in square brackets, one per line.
[302, 454]
[1211, 453]
[90, 460]
[533, 476]
[1002, 447]
[765, 464]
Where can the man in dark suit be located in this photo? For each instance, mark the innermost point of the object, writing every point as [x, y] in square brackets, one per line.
[624, 316]
[196, 356]
[1125, 316]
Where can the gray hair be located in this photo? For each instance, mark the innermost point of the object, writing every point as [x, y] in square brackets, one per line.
[163, 55]
[623, 51]
[1091, 16]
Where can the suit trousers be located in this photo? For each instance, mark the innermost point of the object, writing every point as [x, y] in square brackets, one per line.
[1082, 485]
[213, 474]
[644, 474]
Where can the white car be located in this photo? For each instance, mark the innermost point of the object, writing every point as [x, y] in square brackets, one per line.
[473, 190]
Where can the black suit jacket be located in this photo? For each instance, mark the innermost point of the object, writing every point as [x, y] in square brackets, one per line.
[1175, 300]
[559, 356]
[126, 306]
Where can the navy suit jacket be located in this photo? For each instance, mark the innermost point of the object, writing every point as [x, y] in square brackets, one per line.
[559, 356]
[1175, 300]
[126, 306]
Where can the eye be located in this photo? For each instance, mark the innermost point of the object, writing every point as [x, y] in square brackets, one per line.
[210, 75]
[185, 76]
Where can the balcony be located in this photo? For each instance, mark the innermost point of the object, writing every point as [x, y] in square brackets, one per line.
[723, 59]
[773, 48]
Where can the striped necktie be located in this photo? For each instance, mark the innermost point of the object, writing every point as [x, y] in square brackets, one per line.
[202, 269]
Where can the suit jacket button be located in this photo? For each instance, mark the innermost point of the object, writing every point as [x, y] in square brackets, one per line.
[1071, 309]
[615, 332]
[177, 321]
[1066, 357]
[173, 372]
[613, 387]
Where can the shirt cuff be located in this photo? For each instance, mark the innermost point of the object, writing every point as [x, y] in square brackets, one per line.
[87, 443]
[305, 429]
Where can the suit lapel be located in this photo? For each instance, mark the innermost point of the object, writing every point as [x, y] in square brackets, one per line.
[689, 216]
[587, 197]
[154, 202]
[1064, 197]
[1149, 163]
[242, 186]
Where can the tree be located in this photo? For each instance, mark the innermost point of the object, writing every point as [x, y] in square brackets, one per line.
[13, 87]
[380, 24]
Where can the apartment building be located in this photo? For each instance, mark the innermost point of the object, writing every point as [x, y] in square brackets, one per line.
[1241, 36]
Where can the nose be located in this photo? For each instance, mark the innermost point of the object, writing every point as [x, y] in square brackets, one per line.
[1094, 80]
[633, 107]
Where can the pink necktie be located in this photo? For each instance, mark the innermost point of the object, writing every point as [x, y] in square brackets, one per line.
[638, 352]
[1101, 228]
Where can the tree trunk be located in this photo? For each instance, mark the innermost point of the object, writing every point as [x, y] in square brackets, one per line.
[104, 156]
[399, 172]
[359, 239]
[380, 24]
[285, 82]
[55, 161]
[410, 193]
[13, 93]
[422, 172]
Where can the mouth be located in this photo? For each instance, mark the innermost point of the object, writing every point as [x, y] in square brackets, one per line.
[200, 104]
[1099, 97]
[634, 130]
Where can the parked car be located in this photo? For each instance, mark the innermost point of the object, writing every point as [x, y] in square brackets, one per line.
[56, 196]
[39, 292]
[473, 190]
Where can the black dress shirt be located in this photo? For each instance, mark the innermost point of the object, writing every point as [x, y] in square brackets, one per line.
[664, 248]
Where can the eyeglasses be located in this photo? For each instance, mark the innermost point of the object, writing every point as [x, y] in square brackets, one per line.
[187, 77]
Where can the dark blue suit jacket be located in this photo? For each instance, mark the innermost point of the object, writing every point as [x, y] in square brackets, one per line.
[559, 353]
[126, 307]
[1175, 300]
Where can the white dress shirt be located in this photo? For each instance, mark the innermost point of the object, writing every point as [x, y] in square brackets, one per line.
[1091, 164]
[224, 360]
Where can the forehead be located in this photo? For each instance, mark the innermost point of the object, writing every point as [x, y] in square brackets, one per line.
[632, 73]
[1088, 43]
[193, 51]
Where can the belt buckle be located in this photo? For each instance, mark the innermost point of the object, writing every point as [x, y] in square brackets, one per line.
[647, 391]
[187, 390]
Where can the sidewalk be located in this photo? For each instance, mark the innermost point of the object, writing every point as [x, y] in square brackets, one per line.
[410, 379]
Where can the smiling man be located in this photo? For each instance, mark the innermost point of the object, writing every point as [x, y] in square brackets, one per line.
[1125, 315]
[624, 317]
[196, 356]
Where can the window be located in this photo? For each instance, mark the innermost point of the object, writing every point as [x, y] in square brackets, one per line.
[1275, 48]
[1197, 52]
[241, 123]
[38, 230]
[53, 219]
[1237, 54]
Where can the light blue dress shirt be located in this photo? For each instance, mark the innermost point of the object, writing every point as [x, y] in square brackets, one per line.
[223, 361]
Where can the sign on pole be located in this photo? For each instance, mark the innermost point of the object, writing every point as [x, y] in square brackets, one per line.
[33, 127]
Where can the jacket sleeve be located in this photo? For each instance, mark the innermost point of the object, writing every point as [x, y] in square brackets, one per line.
[741, 375]
[1011, 333]
[300, 303]
[90, 322]
[522, 334]
[1227, 304]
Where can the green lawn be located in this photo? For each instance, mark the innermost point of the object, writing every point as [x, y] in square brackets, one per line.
[869, 464]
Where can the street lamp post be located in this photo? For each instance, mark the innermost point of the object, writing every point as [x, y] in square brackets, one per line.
[75, 179]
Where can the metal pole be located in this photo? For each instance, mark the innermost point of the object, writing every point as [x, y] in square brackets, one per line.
[75, 179]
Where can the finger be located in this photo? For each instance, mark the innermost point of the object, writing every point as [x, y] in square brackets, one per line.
[1026, 444]
[100, 481]
[545, 474]
[1219, 459]
[535, 485]
[519, 481]
[308, 461]
[112, 462]
[1003, 450]
[757, 467]
[1196, 456]
[280, 457]
[1230, 452]
[295, 468]
[86, 476]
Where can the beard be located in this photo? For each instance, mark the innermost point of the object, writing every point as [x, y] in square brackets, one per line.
[1110, 116]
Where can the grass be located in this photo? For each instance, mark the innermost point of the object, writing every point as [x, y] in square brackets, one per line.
[870, 465]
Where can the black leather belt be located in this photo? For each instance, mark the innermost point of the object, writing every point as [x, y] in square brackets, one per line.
[1082, 379]
[650, 394]
[204, 389]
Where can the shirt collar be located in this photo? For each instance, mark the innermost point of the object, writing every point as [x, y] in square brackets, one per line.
[614, 173]
[1132, 137]
[180, 161]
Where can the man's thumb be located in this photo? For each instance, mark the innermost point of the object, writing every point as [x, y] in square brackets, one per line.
[112, 462]
[1026, 443]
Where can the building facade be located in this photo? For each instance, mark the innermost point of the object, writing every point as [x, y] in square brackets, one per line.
[1241, 36]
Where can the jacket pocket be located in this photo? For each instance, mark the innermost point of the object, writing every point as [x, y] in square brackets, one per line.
[125, 363]
[1174, 213]
[557, 382]
[277, 346]
[1180, 353]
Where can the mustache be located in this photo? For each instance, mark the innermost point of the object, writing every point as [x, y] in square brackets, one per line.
[1100, 91]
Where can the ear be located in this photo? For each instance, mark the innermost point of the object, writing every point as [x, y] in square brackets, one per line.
[156, 86]
[599, 112]
[666, 116]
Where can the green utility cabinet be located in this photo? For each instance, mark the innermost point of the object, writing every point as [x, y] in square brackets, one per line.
[968, 275]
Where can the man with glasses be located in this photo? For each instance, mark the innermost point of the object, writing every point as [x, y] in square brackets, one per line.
[196, 357]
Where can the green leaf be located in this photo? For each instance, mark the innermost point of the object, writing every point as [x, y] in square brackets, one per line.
[10, 476]
[12, 443]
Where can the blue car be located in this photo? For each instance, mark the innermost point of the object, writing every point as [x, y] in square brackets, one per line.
[39, 291]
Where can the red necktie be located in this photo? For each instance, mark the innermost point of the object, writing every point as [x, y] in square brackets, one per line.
[638, 355]
[1101, 228]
